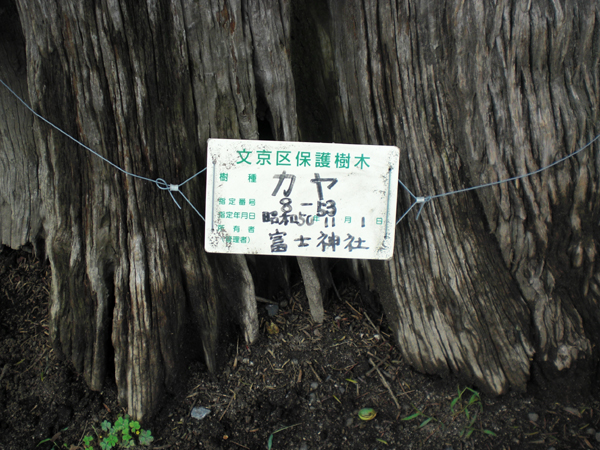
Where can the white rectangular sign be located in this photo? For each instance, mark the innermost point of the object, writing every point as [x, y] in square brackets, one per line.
[301, 199]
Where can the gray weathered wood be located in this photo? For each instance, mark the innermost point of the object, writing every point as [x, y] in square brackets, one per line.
[146, 86]
[316, 283]
[20, 206]
[270, 26]
[473, 92]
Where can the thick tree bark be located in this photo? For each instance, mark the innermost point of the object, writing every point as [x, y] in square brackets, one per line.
[20, 208]
[481, 285]
[474, 93]
[145, 86]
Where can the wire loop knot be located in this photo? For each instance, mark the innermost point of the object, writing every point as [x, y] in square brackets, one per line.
[423, 201]
[164, 186]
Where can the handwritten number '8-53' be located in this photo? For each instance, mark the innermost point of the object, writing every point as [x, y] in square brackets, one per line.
[326, 208]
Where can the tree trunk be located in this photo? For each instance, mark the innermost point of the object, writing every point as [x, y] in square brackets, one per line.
[20, 207]
[486, 284]
[145, 86]
[485, 281]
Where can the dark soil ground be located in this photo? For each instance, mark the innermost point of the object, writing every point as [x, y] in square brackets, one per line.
[301, 383]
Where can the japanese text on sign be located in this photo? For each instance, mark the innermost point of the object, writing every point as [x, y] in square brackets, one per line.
[302, 199]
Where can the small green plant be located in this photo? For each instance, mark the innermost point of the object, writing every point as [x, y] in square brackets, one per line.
[121, 434]
[270, 440]
[459, 407]
[54, 444]
[427, 419]
[470, 409]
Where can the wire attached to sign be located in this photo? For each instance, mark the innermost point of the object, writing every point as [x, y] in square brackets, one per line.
[171, 188]
[424, 200]
[159, 182]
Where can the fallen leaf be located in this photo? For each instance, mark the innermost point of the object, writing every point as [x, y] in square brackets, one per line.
[272, 328]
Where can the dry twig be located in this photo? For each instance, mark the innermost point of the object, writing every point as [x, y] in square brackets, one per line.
[315, 372]
[385, 383]
[353, 308]
[371, 322]
[230, 402]
[4, 369]
[264, 300]
[379, 363]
